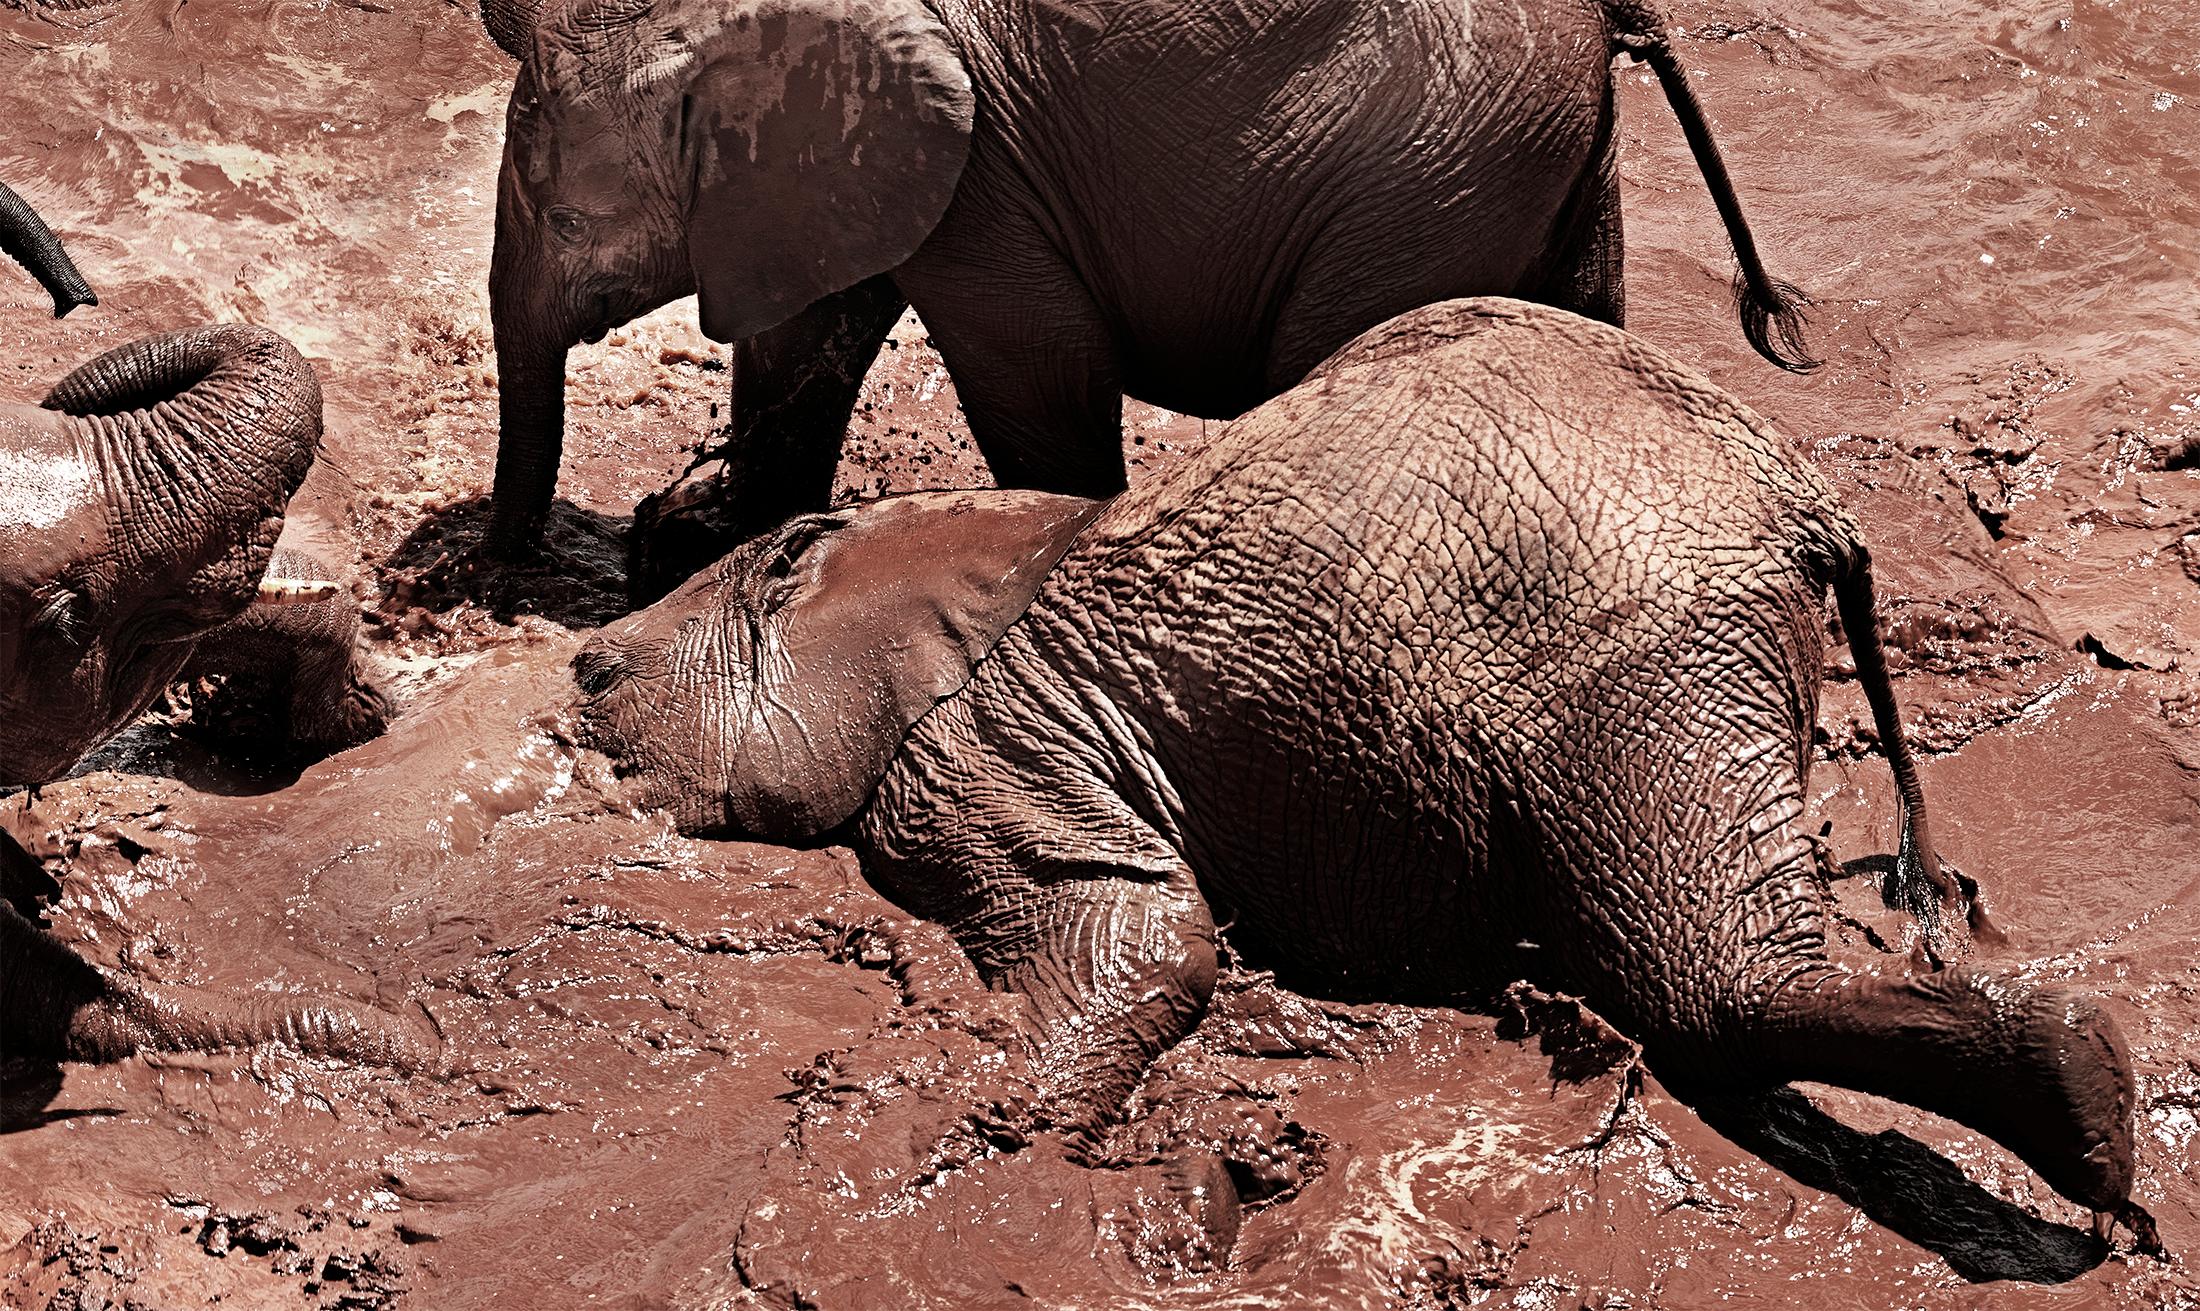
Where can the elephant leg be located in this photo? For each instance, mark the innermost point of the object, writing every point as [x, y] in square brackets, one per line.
[1117, 970]
[1585, 269]
[60, 1006]
[794, 388]
[2043, 1070]
[1034, 364]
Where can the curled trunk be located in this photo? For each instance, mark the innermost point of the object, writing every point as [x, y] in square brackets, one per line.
[29, 242]
[241, 391]
[192, 444]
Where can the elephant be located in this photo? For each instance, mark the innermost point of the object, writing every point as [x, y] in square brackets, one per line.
[1189, 203]
[28, 241]
[1490, 651]
[139, 506]
[285, 682]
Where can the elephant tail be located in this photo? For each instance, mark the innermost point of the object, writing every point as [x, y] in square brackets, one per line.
[1771, 310]
[1919, 883]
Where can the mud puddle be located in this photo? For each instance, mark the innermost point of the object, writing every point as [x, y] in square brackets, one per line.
[702, 1074]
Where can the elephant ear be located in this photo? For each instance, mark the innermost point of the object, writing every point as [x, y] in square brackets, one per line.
[827, 137]
[874, 615]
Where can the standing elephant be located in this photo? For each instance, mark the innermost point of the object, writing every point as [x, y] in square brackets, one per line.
[28, 241]
[1492, 649]
[139, 506]
[1189, 202]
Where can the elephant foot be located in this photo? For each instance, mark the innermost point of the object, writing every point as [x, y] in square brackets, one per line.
[683, 529]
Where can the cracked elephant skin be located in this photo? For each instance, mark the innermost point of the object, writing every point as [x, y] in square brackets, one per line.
[139, 508]
[1186, 202]
[1492, 649]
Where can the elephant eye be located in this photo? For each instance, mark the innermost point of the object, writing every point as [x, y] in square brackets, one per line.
[567, 223]
[62, 615]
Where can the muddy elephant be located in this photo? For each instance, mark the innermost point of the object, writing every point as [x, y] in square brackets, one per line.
[1189, 203]
[139, 511]
[1533, 698]
[139, 507]
[28, 241]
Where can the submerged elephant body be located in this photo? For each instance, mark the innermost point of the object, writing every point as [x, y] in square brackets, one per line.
[1192, 203]
[1491, 649]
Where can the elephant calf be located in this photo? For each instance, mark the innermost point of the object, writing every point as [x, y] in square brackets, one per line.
[1492, 648]
[139, 509]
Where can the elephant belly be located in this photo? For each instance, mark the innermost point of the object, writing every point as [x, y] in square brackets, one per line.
[1339, 886]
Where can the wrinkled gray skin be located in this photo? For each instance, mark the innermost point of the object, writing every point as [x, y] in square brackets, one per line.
[139, 505]
[1186, 201]
[1492, 649]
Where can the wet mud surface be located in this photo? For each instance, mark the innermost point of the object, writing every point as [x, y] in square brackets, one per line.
[680, 1073]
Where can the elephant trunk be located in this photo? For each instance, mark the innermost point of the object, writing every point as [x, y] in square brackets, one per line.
[235, 413]
[60, 1006]
[530, 432]
[237, 392]
[30, 243]
[511, 24]
[2041, 1070]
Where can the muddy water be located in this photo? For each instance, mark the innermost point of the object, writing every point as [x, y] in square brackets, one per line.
[706, 1074]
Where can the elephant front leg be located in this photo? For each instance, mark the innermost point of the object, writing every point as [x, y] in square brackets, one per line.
[1033, 358]
[1116, 971]
[794, 388]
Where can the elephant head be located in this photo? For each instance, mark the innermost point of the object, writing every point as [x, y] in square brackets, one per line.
[29, 242]
[767, 696]
[760, 153]
[139, 506]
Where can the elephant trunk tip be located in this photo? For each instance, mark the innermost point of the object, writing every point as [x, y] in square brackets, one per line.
[1773, 315]
[69, 298]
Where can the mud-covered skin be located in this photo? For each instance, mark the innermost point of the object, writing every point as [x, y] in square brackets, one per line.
[140, 507]
[63, 1008]
[293, 681]
[1537, 696]
[1192, 204]
[29, 242]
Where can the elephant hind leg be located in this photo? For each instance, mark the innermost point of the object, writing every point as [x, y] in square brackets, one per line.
[62, 1007]
[2042, 1070]
[1585, 270]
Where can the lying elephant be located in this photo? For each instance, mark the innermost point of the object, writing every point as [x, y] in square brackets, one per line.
[1192, 203]
[1492, 649]
[139, 505]
[139, 508]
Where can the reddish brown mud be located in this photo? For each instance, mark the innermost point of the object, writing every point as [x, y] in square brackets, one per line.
[680, 1073]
